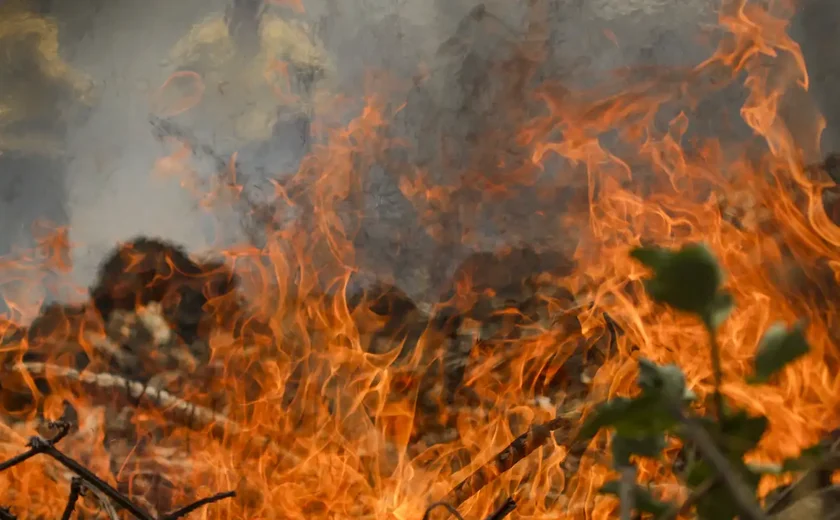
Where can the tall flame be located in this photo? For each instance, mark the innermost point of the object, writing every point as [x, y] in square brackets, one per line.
[342, 420]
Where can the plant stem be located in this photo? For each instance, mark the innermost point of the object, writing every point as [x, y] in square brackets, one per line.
[627, 492]
[741, 494]
[717, 368]
[699, 492]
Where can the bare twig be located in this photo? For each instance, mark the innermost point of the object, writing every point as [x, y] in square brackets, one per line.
[698, 493]
[184, 511]
[75, 492]
[506, 509]
[805, 485]
[63, 429]
[39, 445]
[830, 464]
[449, 507]
[47, 448]
[517, 450]
[106, 504]
[17, 459]
[5, 514]
[743, 497]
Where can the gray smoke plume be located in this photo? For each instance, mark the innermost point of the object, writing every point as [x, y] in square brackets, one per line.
[111, 195]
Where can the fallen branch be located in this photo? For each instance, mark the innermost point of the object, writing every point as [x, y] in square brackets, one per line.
[517, 450]
[705, 445]
[180, 411]
[40, 445]
[62, 429]
[825, 469]
[501, 513]
[46, 447]
[698, 493]
[449, 507]
[75, 493]
[506, 509]
[184, 511]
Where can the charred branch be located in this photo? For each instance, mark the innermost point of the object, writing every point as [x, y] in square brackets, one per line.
[442, 505]
[75, 493]
[40, 445]
[502, 512]
[517, 450]
[184, 511]
[37, 446]
[173, 408]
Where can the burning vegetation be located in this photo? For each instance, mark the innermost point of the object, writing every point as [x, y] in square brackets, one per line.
[607, 369]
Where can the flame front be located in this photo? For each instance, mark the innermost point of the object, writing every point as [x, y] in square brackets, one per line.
[333, 422]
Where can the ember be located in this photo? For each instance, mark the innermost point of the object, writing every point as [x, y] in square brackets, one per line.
[432, 307]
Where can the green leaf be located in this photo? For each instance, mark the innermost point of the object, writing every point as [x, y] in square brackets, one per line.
[606, 414]
[633, 418]
[687, 279]
[742, 433]
[778, 347]
[717, 504]
[653, 257]
[644, 416]
[665, 381]
[623, 447]
[644, 500]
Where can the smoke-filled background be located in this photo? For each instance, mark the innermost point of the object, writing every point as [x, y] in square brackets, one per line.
[110, 194]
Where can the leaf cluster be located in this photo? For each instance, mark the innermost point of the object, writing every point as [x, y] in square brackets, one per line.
[690, 280]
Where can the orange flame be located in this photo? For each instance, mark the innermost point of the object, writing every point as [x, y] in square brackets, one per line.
[340, 409]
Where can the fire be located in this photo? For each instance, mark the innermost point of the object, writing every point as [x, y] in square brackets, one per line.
[311, 403]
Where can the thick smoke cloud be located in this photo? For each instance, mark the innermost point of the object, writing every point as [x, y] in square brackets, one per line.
[121, 43]
[112, 193]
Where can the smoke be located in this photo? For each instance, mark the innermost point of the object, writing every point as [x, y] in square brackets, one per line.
[111, 195]
[814, 28]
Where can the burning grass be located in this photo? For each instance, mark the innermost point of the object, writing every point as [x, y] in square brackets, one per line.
[314, 400]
